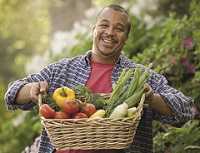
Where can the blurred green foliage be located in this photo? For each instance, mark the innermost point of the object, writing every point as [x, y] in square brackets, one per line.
[24, 32]
[172, 45]
[17, 129]
[174, 51]
[84, 44]
[179, 140]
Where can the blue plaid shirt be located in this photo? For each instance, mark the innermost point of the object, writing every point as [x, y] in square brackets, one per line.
[75, 71]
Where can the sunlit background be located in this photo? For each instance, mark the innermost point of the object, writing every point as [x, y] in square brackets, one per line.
[35, 33]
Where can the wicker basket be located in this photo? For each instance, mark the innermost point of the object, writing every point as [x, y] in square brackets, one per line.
[86, 134]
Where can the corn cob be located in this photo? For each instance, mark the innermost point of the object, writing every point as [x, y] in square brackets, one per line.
[134, 90]
[135, 98]
[134, 82]
[124, 77]
[118, 91]
[143, 79]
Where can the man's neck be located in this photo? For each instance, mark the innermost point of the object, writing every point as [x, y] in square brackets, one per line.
[103, 60]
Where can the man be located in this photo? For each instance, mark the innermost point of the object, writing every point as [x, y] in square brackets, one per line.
[104, 64]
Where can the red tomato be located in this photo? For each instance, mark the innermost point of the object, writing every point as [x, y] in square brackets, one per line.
[61, 115]
[71, 107]
[80, 115]
[88, 109]
[46, 111]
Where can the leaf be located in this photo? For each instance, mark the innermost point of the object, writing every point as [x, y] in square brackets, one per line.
[192, 148]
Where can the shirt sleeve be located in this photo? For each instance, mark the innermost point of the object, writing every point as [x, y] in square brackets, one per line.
[179, 103]
[14, 87]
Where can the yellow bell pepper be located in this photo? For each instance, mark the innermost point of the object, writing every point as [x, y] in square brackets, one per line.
[62, 94]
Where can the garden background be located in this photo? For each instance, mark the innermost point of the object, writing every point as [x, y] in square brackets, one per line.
[165, 33]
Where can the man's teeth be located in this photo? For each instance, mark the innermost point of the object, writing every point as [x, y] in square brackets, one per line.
[107, 41]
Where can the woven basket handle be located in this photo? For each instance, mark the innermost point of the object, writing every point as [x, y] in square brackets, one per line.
[40, 100]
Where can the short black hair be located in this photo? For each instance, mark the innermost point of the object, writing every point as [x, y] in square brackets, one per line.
[120, 9]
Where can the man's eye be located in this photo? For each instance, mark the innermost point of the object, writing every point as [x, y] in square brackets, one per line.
[120, 29]
[103, 25]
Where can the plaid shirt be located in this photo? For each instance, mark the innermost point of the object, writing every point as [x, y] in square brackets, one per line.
[75, 71]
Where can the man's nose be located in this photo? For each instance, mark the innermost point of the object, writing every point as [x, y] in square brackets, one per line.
[110, 31]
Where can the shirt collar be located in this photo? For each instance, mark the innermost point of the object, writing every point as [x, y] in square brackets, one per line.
[86, 58]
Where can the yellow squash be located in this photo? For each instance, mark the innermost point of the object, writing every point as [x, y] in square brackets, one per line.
[98, 114]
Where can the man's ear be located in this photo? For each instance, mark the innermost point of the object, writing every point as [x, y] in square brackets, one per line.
[92, 29]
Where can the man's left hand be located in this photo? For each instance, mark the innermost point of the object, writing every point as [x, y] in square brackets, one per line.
[148, 93]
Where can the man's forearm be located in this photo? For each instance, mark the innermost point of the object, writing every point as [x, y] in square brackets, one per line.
[23, 95]
[158, 104]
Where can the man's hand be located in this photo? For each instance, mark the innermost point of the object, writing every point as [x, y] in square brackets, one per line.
[156, 102]
[148, 93]
[30, 92]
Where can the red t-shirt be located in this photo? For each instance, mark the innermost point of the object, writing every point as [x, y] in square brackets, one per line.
[100, 81]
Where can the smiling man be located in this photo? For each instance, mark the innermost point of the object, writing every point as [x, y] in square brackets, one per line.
[110, 34]
[99, 69]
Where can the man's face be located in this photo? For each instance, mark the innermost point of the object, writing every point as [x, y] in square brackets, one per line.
[110, 33]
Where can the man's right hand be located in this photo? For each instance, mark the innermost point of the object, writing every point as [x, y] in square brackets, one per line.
[30, 92]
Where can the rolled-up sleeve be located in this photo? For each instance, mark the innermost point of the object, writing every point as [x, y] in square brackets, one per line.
[179, 103]
[14, 88]
[11, 94]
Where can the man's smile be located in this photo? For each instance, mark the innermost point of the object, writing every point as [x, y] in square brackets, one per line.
[108, 42]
